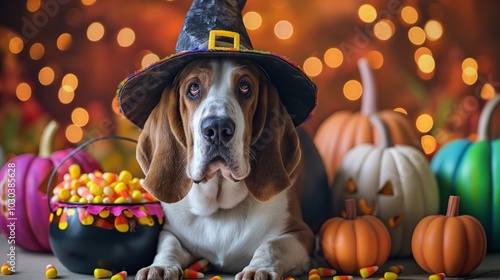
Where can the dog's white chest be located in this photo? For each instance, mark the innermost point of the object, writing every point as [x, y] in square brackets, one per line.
[228, 238]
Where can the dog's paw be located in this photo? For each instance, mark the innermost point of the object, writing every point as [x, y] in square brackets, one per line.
[159, 273]
[251, 273]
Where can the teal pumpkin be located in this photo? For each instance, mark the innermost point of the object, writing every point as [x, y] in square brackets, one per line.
[471, 170]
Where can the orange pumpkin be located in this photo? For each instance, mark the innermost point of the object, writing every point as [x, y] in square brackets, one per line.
[452, 244]
[344, 130]
[354, 242]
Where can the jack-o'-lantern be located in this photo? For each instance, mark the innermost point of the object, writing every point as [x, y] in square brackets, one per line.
[393, 183]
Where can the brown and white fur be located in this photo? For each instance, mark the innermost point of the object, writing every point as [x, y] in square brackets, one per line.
[222, 154]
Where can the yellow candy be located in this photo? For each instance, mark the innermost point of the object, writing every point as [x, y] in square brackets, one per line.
[128, 214]
[136, 196]
[50, 272]
[368, 271]
[95, 189]
[108, 177]
[74, 171]
[120, 276]
[100, 273]
[98, 173]
[74, 198]
[104, 213]
[135, 184]
[120, 199]
[120, 187]
[85, 178]
[125, 176]
[82, 200]
[64, 194]
[390, 276]
[97, 199]
[75, 184]
[6, 269]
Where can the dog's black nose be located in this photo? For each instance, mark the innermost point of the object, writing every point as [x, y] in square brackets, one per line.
[217, 130]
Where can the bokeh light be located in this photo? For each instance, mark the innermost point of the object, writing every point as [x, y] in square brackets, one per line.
[95, 31]
[23, 91]
[367, 13]
[426, 63]
[433, 30]
[46, 76]
[252, 20]
[37, 51]
[409, 14]
[429, 144]
[64, 41]
[283, 29]
[88, 2]
[69, 82]
[333, 57]
[16, 45]
[65, 97]
[74, 133]
[416, 35]
[469, 62]
[148, 59]
[487, 91]
[376, 59]
[421, 51]
[401, 110]
[80, 117]
[353, 90]
[125, 37]
[33, 5]
[313, 66]
[424, 123]
[384, 29]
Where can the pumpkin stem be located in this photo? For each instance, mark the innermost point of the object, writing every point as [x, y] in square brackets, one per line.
[453, 203]
[47, 139]
[483, 128]
[384, 140]
[350, 209]
[368, 99]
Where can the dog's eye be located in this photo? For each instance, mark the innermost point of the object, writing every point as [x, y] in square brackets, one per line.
[193, 90]
[244, 88]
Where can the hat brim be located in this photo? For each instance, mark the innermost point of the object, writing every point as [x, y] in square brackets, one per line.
[141, 92]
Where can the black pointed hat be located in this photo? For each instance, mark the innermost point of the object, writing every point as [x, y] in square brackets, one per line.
[215, 29]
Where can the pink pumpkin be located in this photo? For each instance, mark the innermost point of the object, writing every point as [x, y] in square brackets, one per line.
[23, 184]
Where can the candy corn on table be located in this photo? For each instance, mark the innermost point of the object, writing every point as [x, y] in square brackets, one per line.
[33, 266]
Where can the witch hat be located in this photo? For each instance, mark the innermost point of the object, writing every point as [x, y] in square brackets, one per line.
[215, 29]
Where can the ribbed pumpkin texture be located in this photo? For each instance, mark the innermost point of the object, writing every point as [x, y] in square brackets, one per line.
[455, 245]
[471, 170]
[30, 173]
[344, 130]
[354, 242]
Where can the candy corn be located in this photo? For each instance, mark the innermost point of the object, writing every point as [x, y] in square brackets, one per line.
[368, 271]
[50, 272]
[197, 266]
[289, 278]
[216, 277]
[314, 275]
[122, 275]
[192, 274]
[326, 272]
[437, 276]
[343, 277]
[390, 276]
[100, 273]
[398, 269]
[6, 270]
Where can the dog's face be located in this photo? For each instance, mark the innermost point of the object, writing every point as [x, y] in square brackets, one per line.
[224, 117]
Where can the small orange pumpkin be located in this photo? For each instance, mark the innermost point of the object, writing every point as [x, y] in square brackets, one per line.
[354, 242]
[452, 244]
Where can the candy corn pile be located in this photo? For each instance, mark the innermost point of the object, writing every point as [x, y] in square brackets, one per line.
[98, 187]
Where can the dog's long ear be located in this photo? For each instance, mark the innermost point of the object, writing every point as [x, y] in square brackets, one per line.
[161, 151]
[275, 147]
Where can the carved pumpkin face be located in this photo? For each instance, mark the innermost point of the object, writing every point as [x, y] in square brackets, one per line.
[394, 184]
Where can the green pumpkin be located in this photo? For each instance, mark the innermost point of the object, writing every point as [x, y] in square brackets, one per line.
[471, 170]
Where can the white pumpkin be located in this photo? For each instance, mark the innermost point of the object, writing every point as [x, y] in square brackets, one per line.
[393, 183]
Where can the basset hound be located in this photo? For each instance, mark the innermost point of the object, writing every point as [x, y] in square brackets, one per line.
[222, 154]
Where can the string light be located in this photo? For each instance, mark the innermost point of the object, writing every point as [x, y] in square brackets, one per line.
[23, 91]
[353, 90]
[424, 123]
[46, 76]
[409, 15]
[429, 144]
[125, 37]
[16, 45]
[333, 57]
[95, 31]
[252, 20]
[313, 66]
[37, 51]
[367, 13]
[64, 41]
[283, 29]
